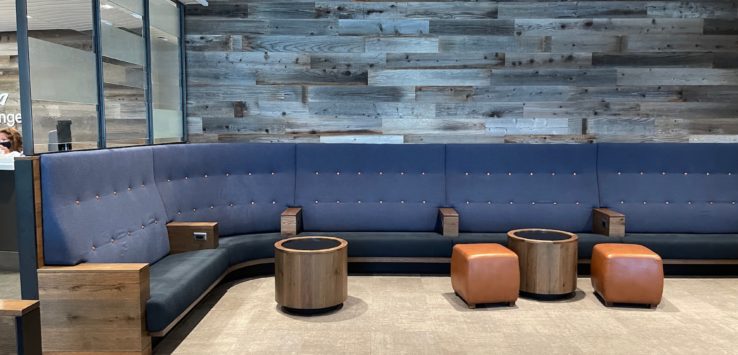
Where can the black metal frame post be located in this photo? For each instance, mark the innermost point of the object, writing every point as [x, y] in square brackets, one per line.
[24, 75]
[149, 87]
[183, 70]
[97, 47]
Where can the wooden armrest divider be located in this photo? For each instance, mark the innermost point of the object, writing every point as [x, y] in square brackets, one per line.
[20, 327]
[94, 308]
[449, 221]
[291, 221]
[189, 236]
[608, 222]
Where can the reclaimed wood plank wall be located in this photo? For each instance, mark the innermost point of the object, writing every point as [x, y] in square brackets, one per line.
[463, 71]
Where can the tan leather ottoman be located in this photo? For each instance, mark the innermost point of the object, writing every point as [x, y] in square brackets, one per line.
[485, 273]
[627, 273]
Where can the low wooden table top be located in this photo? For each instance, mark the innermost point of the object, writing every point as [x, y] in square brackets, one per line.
[311, 244]
[542, 235]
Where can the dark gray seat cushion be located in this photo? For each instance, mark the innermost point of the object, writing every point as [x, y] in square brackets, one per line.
[393, 244]
[688, 246]
[178, 280]
[587, 241]
[247, 247]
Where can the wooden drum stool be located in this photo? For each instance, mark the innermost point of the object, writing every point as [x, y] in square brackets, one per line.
[627, 273]
[311, 274]
[485, 273]
[548, 262]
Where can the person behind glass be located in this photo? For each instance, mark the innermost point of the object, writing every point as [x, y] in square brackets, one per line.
[11, 143]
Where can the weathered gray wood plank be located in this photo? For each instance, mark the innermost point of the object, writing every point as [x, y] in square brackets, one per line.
[583, 9]
[285, 10]
[710, 93]
[355, 61]
[486, 44]
[681, 43]
[310, 77]
[444, 60]
[301, 27]
[693, 9]
[676, 76]
[383, 27]
[480, 110]
[304, 44]
[429, 77]
[714, 26]
[375, 110]
[472, 27]
[543, 60]
[615, 26]
[401, 45]
[351, 94]
[587, 77]
[492, 94]
[654, 59]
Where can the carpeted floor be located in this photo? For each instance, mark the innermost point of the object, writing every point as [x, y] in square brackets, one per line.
[421, 315]
[9, 285]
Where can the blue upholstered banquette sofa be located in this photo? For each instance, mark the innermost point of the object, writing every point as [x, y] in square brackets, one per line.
[105, 213]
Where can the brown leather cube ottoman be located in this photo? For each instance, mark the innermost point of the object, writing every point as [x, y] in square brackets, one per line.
[627, 273]
[485, 273]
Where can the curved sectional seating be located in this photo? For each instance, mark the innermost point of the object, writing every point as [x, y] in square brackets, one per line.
[112, 206]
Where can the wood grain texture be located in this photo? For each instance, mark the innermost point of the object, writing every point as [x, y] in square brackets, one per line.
[447, 71]
[546, 267]
[16, 308]
[608, 222]
[291, 221]
[310, 279]
[94, 308]
[449, 222]
[181, 236]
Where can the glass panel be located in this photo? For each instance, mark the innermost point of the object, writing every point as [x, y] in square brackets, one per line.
[63, 75]
[10, 113]
[165, 71]
[124, 58]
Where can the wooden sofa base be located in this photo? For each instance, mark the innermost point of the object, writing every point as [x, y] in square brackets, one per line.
[94, 308]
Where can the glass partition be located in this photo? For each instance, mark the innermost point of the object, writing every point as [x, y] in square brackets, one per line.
[63, 75]
[166, 71]
[10, 113]
[124, 64]
[98, 73]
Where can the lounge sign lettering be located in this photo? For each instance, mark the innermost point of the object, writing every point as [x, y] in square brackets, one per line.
[8, 119]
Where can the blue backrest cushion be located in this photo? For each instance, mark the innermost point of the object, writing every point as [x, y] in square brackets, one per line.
[499, 187]
[370, 188]
[671, 188]
[243, 187]
[102, 206]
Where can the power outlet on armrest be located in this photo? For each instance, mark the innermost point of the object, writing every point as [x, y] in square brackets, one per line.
[608, 222]
[189, 236]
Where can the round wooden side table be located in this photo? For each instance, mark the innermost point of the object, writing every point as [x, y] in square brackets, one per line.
[311, 274]
[548, 261]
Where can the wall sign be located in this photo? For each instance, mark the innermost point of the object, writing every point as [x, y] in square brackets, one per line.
[8, 119]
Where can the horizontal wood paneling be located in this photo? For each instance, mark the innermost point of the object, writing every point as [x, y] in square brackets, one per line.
[463, 71]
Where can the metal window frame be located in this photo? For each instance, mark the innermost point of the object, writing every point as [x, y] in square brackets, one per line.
[24, 74]
[149, 93]
[97, 48]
